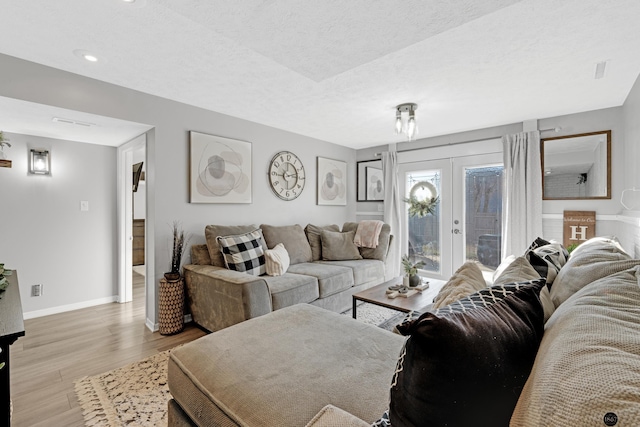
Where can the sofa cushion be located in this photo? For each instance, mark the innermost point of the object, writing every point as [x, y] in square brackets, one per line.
[277, 260]
[466, 280]
[547, 258]
[281, 370]
[200, 255]
[468, 368]
[519, 270]
[293, 239]
[243, 252]
[213, 231]
[380, 252]
[337, 246]
[588, 363]
[290, 289]
[596, 258]
[315, 241]
[365, 271]
[331, 278]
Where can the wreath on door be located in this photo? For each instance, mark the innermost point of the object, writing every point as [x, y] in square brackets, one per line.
[422, 205]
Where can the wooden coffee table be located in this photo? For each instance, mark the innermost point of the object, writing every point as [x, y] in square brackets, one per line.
[378, 295]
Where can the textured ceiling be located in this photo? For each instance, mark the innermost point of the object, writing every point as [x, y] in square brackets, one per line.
[334, 70]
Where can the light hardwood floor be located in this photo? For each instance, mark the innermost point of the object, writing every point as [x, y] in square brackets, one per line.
[59, 349]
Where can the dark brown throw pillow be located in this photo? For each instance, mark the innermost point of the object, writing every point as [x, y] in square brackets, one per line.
[468, 367]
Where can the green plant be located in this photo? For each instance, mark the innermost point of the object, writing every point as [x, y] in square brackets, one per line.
[571, 247]
[422, 208]
[179, 242]
[411, 269]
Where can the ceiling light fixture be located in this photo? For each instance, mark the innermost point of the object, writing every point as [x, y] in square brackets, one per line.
[406, 120]
[86, 55]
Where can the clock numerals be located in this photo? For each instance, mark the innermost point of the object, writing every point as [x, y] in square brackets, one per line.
[286, 175]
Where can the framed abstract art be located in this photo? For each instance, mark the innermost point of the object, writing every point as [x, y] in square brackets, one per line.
[220, 169]
[332, 182]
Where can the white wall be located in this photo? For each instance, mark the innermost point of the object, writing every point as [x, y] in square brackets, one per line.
[45, 235]
[629, 233]
[167, 158]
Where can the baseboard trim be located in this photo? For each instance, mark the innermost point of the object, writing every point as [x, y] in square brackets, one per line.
[153, 327]
[69, 307]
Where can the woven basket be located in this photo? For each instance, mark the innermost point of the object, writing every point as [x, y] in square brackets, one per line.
[171, 307]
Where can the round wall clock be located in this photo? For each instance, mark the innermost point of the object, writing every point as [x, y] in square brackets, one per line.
[286, 175]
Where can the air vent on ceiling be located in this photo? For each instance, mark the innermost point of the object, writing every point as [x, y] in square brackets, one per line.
[600, 67]
[71, 122]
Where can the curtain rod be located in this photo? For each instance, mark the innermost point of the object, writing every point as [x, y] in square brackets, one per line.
[555, 129]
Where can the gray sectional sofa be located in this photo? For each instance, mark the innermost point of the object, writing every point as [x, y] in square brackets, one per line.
[302, 365]
[325, 270]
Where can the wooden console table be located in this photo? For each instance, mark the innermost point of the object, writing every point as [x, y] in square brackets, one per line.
[11, 328]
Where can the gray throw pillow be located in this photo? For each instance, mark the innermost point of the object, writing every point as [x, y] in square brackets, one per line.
[380, 252]
[596, 258]
[315, 241]
[338, 246]
[293, 239]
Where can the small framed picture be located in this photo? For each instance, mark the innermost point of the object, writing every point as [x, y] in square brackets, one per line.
[332, 182]
[375, 184]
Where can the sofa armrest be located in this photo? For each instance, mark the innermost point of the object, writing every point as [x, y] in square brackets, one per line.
[331, 416]
[218, 298]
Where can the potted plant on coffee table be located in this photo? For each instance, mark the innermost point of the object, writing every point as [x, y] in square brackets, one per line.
[411, 271]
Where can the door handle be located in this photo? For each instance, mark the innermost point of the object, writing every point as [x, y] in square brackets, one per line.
[456, 231]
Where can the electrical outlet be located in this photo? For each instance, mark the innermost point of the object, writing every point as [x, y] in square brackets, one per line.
[84, 205]
[36, 290]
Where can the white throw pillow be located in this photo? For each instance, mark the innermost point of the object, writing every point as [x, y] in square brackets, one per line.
[277, 260]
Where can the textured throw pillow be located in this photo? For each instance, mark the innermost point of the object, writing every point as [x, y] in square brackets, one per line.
[292, 237]
[379, 252]
[339, 246]
[277, 260]
[547, 258]
[588, 364]
[519, 270]
[315, 241]
[465, 281]
[467, 368]
[211, 232]
[596, 258]
[243, 252]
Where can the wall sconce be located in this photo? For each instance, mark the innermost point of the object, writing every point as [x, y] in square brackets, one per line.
[39, 162]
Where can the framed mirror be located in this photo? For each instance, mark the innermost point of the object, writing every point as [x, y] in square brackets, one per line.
[576, 166]
[370, 181]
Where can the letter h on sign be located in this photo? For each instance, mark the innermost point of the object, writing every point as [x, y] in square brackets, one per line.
[578, 227]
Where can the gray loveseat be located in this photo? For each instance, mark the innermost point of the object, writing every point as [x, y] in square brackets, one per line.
[325, 270]
[306, 366]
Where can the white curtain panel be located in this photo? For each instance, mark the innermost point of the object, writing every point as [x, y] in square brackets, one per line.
[392, 209]
[522, 199]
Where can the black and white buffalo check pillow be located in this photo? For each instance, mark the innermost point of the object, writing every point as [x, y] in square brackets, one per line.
[243, 252]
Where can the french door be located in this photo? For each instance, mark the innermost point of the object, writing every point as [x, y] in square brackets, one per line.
[467, 220]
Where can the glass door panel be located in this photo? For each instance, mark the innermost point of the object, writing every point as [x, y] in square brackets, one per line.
[427, 237]
[480, 208]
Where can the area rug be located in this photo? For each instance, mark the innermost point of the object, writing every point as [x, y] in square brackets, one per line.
[136, 395]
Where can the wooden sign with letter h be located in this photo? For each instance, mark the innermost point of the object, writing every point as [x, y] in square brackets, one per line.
[578, 227]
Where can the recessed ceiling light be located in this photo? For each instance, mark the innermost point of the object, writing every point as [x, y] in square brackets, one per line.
[129, 1]
[87, 56]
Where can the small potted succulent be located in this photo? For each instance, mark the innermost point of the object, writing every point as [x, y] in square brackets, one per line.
[179, 242]
[411, 271]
